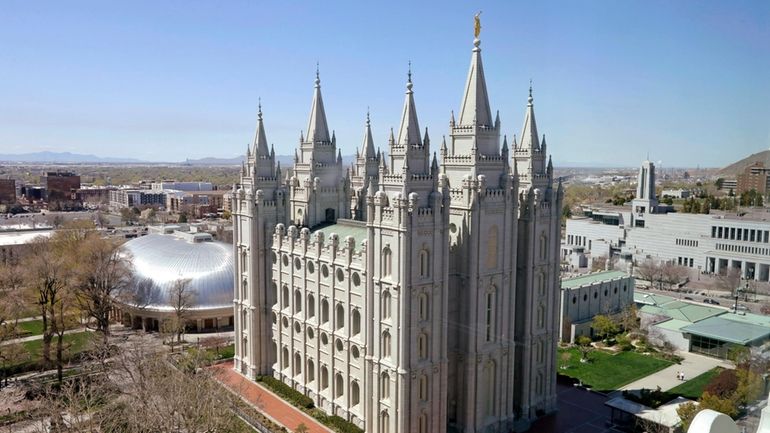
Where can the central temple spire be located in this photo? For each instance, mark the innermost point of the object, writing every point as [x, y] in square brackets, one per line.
[475, 106]
[260, 139]
[409, 132]
[317, 128]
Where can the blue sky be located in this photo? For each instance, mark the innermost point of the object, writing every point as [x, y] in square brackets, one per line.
[686, 81]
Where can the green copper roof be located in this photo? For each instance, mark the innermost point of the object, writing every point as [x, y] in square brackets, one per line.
[682, 311]
[592, 278]
[343, 229]
[725, 329]
[673, 324]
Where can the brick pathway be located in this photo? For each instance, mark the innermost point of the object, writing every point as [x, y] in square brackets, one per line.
[265, 401]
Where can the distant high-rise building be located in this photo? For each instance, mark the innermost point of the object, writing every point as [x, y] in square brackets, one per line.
[60, 186]
[7, 191]
[754, 177]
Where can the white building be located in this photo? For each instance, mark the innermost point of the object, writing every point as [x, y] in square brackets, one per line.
[181, 186]
[710, 243]
[404, 294]
[586, 296]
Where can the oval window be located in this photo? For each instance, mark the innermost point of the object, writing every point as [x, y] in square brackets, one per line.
[339, 345]
[356, 279]
[310, 267]
[324, 339]
[354, 352]
[285, 260]
[297, 263]
[340, 275]
[325, 271]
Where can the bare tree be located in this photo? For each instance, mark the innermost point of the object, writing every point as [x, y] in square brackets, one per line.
[728, 281]
[102, 273]
[46, 278]
[181, 299]
[649, 270]
[672, 274]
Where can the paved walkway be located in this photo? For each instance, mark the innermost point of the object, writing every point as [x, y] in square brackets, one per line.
[693, 365]
[265, 401]
[40, 337]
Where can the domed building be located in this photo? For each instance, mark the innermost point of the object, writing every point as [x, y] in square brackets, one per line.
[170, 262]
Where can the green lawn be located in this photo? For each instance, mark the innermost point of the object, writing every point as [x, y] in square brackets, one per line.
[693, 388]
[608, 372]
[32, 327]
[75, 344]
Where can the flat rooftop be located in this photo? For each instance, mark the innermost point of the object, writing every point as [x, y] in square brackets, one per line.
[592, 278]
[724, 329]
[343, 228]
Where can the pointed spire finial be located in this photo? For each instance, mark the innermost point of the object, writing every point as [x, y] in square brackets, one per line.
[529, 100]
[368, 122]
[409, 79]
[317, 75]
[259, 111]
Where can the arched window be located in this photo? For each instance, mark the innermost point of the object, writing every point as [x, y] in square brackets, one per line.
[324, 310]
[355, 321]
[423, 306]
[285, 358]
[297, 364]
[489, 374]
[285, 298]
[245, 290]
[422, 388]
[384, 422]
[386, 344]
[339, 385]
[310, 372]
[492, 247]
[385, 305]
[324, 377]
[310, 306]
[387, 262]
[340, 316]
[541, 316]
[490, 316]
[355, 396]
[384, 386]
[424, 263]
[297, 301]
[422, 346]
[543, 246]
[422, 424]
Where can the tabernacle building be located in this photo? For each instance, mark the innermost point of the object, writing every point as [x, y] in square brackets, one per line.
[414, 291]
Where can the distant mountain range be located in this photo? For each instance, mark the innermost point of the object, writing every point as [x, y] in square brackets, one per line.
[62, 157]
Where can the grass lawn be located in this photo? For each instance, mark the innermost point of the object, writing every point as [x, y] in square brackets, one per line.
[74, 344]
[608, 372]
[693, 388]
[32, 327]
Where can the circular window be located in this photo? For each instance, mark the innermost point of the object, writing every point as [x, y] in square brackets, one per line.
[596, 295]
[356, 279]
[340, 275]
[285, 260]
[606, 292]
[285, 322]
[325, 271]
[297, 264]
[339, 345]
[574, 299]
[452, 228]
[310, 333]
[324, 339]
[297, 328]
[310, 267]
[274, 257]
[354, 352]
[585, 297]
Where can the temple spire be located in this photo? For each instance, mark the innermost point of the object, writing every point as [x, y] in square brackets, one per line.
[367, 149]
[529, 139]
[260, 139]
[409, 132]
[474, 109]
[317, 128]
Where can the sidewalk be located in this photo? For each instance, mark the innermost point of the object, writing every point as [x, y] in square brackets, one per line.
[40, 337]
[265, 401]
[692, 365]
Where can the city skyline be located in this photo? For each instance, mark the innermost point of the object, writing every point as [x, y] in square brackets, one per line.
[174, 81]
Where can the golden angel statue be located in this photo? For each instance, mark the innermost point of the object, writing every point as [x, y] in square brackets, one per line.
[477, 24]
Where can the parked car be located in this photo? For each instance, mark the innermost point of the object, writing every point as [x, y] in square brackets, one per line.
[711, 301]
[742, 308]
[687, 298]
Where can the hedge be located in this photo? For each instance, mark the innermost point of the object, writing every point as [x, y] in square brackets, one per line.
[292, 395]
[335, 422]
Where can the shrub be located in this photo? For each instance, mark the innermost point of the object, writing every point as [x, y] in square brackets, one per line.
[285, 391]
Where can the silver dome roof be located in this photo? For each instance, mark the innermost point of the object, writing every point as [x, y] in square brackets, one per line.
[159, 261]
